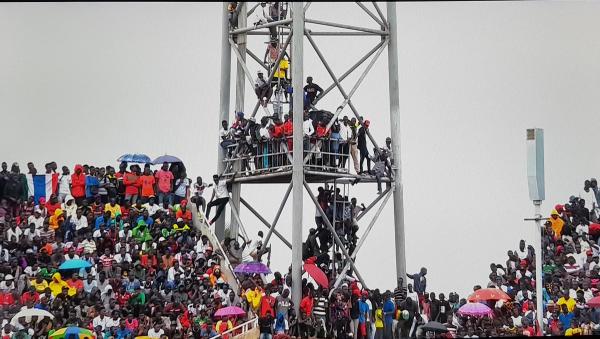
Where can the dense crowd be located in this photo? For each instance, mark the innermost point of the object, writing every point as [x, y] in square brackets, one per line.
[147, 269]
[149, 272]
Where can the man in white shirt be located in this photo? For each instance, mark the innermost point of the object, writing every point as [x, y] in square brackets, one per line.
[36, 218]
[522, 252]
[64, 184]
[79, 221]
[307, 126]
[174, 272]
[262, 88]
[100, 320]
[156, 331]
[221, 194]
[31, 232]
[151, 207]
[122, 256]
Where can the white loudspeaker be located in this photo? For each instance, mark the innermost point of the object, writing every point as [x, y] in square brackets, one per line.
[535, 164]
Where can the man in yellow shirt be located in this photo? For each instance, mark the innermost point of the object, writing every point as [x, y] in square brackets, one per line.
[40, 284]
[113, 208]
[574, 329]
[567, 300]
[557, 224]
[253, 296]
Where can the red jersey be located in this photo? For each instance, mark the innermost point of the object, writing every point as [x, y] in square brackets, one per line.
[78, 183]
[277, 131]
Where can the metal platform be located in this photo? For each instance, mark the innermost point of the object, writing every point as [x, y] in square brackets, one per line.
[284, 176]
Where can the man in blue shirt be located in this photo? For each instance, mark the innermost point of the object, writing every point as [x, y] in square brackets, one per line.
[419, 283]
[565, 317]
[122, 332]
[363, 315]
[389, 310]
[103, 219]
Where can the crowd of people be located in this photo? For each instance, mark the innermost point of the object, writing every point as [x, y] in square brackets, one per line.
[147, 270]
[152, 273]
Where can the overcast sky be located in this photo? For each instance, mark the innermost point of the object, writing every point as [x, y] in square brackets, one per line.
[86, 82]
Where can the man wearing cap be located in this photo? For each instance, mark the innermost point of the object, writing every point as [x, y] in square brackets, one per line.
[184, 212]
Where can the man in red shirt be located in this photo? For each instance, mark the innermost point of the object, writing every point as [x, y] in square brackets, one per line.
[75, 282]
[132, 184]
[184, 212]
[164, 180]
[288, 131]
[147, 182]
[30, 295]
[78, 184]
[267, 303]
[306, 308]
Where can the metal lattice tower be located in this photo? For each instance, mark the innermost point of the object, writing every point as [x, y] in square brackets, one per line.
[297, 173]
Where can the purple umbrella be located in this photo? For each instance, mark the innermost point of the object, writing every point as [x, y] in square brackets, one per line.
[231, 311]
[254, 267]
[476, 310]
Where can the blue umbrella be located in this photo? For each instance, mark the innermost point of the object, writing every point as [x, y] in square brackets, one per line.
[74, 264]
[136, 158]
[166, 158]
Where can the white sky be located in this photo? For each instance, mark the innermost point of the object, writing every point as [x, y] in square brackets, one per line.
[86, 82]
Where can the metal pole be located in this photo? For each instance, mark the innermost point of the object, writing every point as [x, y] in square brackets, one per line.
[380, 13]
[539, 283]
[355, 28]
[266, 223]
[366, 210]
[298, 164]
[350, 70]
[373, 16]
[253, 28]
[313, 33]
[224, 101]
[395, 132]
[283, 202]
[240, 88]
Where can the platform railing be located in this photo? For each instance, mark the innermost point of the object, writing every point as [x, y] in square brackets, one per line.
[274, 155]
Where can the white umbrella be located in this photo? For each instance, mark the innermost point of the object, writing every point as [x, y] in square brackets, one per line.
[29, 313]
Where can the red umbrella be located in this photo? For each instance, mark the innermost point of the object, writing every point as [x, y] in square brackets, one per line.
[594, 302]
[487, 294]
[317, 274]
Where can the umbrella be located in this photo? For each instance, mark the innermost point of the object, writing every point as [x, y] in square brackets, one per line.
[230, 311]
[254, 267]
[74, 264]
[317, 274]
[136, 158]
[475, 310]
[434, 326]
[29, 313]
[68, 332]
[487, 294]
[166, 158]
[594, 302]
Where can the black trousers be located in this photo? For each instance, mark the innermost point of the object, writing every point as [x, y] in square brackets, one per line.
[364, 154]
[220, 203]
